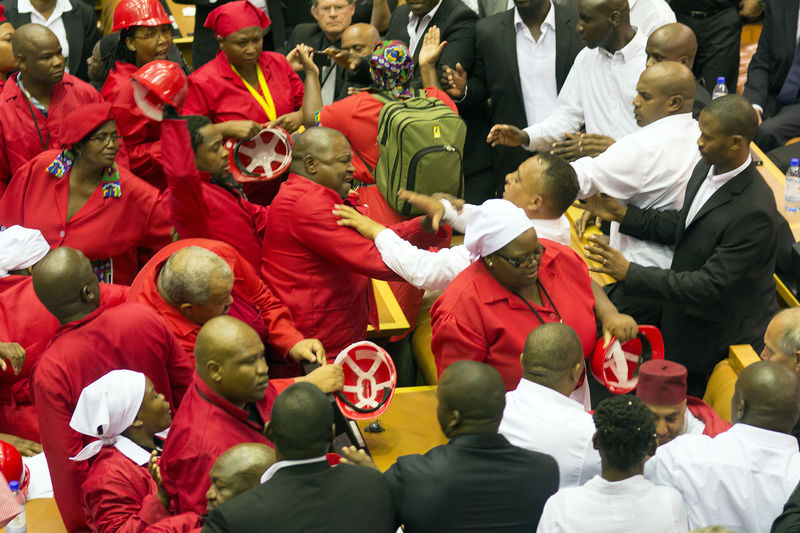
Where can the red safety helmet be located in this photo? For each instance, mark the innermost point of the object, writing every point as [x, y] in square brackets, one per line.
[264, 157]
[369, 380]
[157, 83]
[617, 366]
[10, 462]
[130, 13]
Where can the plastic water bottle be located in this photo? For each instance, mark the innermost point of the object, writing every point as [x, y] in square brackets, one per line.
[720, 89]
[19, 523]
[792, 201]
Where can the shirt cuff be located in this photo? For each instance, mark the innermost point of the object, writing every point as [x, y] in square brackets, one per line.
[759, 109]
[450, 212]
[533, 137]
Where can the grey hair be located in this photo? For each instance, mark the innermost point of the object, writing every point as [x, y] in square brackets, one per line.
[789, 341]
[188, 273]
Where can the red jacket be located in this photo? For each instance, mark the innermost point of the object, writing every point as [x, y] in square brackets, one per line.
[217, 93]
[20, 141]
[477, 318]
[119, 496]
[706, 414]
[254, 302]
[357, 118]
[181, 523]
[24, 320]
[321, 270]
[128, 336]
[114, 227]
[199, 208]
[141, 135]
[204, 427]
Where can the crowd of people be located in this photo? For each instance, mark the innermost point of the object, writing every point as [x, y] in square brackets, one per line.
[169, 332]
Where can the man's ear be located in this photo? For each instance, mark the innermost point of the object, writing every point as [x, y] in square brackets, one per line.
[186, 309]
[129, 43]
[576, 372]
[454, 424]
[614, 18]
[736, 142]
[215, 372]
[535, 203]
[267, 431]
[594, 441]
[797, 362]
[675, 102]
[310, 164]
[87, 295]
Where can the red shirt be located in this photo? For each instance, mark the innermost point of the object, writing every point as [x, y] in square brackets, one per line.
[199, 208]
[321, 270]
[182, 523]
[204, 427]
[102, 228]
[357, 118]
[477, 318]
[219, 94]
[119, 495]
[142, 135]
[20, 141]
[24, 320]
[254, 302]
[714, 425]
[128, 336]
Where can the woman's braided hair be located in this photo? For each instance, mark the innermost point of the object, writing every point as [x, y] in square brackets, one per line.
[625, 430]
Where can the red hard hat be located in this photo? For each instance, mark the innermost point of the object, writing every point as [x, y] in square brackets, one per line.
[369, 380]
[10, 462]
[130, 13]
[264, 157]
[617, 367]
[157, 83]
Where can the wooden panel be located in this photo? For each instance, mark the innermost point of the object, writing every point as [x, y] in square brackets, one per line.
[777, 182]
[390, 317]
[577, 243]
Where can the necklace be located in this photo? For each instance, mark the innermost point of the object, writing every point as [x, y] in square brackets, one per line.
[552, 303]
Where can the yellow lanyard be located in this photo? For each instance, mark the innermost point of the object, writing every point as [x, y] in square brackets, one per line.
[266, 101]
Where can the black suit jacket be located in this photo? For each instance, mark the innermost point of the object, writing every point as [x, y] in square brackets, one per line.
[497, 75]
[789, 519]
[773, 57]
[80, 25]
[311, 35]
[477, 483]
[310, 498]
[719, 290]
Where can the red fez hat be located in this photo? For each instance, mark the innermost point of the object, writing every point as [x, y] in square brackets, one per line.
[234, 16]
[3, 14]
[661, 382]
[82, 121]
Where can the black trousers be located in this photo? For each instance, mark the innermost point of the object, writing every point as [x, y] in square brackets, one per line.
[718, 40]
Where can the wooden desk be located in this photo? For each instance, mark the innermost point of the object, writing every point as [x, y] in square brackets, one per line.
[576, 243]
[390, 317]
[777, 182]
[411, 427]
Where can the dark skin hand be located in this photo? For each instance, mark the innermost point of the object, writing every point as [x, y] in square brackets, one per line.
[454, 81]
[155, 472]
[610, 261]
[14, 354]
[604, 206]
[578, 145]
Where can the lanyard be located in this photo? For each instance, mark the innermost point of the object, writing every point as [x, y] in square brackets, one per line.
[28, 98]
[266, 101]
[552, 303]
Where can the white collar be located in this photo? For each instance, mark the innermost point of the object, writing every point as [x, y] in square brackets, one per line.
[132, 451]
[429, 15]
[626, 486]
[283, 464]
[527, 386]
[549, 20]
[721, 179]
[630, 50]
[762, 436]
[669, 120]
[62, 6]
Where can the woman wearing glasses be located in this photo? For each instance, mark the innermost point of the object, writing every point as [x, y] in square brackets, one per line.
[79, 197]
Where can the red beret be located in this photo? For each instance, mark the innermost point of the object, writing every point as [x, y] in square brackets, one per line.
[82, 121]
[661, 382]
[234, 16]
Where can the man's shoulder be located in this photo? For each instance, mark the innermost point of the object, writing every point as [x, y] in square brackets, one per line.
[504, 20]
[306, 33]
[75, 86]
[456, 10]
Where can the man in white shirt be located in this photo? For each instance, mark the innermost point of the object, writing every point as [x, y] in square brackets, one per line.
[740, 479]
[541, 417]
[620, 499]
[544, 186]
[598, 91]
[649, 15]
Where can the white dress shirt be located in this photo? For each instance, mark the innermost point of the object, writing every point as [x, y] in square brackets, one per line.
[633, 505]
[537, 66]
[266, 476]
[55, 23]
[693, 425]
[435, 270]
[649, 15]
[648, 168]
[710, 185]
[542, 420]
[739, 480]
[416, 27]
[598, 92]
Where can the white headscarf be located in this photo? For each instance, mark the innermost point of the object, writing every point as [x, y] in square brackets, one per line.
[106, 408]
[20, 248]
[492, 225]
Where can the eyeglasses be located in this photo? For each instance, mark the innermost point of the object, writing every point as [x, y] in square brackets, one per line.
[333, 9]
[529, 261]
[105, 138]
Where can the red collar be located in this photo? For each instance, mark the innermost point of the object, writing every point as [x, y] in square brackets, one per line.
[75, 324]
[208, 394]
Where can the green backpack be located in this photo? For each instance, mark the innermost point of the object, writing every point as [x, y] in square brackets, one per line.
[421, 143]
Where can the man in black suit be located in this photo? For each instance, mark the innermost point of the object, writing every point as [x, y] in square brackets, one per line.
[719, 289]
[496, 74]
[301, 492]
[477, 481]
[80, 26]
[770, 88]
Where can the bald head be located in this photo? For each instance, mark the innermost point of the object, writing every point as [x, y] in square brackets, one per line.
[65, 284]
[313, 142]
[189, 273]
[672, 42]
[30, 37]
[360, 39]
[782, 339]
[471, 398]
[664, 89]
[222, 338]
[553, 357]
[323, 155]
[767, 395]
[39, 55]
[238, 470]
